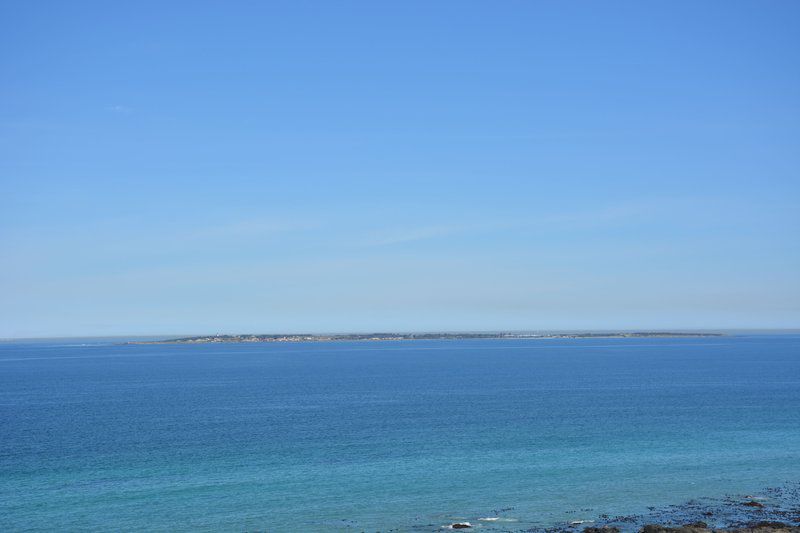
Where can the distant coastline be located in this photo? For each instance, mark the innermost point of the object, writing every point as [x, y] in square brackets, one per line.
[302, 337]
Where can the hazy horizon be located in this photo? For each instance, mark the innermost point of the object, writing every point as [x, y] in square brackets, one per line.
[398, 166]
[752, 331]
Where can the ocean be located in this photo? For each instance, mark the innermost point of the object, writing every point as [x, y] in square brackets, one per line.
[380, 436]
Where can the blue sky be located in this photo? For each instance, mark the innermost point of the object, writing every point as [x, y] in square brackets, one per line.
[204, 167]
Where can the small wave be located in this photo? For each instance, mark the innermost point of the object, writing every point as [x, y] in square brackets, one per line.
[497, 519]
[579, 522]
[80, 345]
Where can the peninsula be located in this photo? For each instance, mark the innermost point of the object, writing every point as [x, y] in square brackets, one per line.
[308, 337]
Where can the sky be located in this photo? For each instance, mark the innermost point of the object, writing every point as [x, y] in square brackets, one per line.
[232, 167]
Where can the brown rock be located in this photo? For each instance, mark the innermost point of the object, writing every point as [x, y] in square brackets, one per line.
[753, 503]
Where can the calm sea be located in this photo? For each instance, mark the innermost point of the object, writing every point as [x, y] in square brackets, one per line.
[379, 435]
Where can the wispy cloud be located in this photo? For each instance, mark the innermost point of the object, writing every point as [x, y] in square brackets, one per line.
[403, 235]
[595, 217]
[552, 222]
[119, 109]
[252, 228]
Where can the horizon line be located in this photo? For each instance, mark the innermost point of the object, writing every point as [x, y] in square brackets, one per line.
[414, 332]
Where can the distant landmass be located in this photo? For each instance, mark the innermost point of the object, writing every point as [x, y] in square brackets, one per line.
[303, 337]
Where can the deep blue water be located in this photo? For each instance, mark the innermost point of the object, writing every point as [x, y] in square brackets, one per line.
[378, 435]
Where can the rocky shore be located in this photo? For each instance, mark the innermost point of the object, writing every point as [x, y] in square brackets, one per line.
[773, 510]
[702, 527]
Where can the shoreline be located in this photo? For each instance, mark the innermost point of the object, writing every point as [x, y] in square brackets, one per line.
[373, 337]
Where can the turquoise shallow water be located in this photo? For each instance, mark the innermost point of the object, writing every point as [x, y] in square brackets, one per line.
[372, 436]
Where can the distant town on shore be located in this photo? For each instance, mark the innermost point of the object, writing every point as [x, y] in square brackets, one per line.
[303, 337]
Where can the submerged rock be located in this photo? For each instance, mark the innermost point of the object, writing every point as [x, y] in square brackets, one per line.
[697, 527]
[702, 527]
[766, 527]
[603, 529]
[460, 525]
